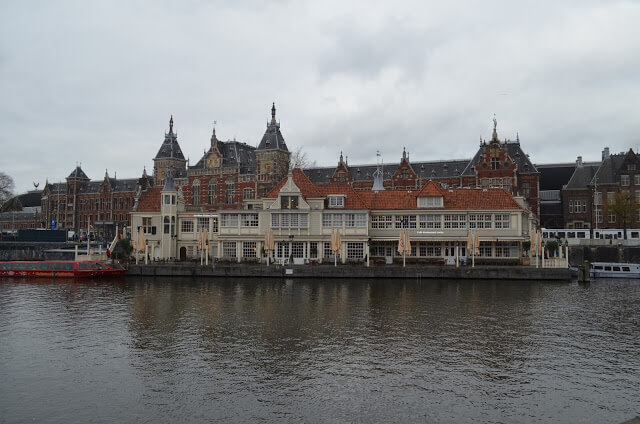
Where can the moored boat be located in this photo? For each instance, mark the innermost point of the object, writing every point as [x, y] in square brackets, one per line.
[614, 270]
[74, 269]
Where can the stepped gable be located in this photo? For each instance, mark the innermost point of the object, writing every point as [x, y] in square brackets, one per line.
[149, 200]
[519, 158]
[272, 138]
[170, 149]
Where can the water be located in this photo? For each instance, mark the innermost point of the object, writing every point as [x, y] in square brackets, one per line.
[157, 350]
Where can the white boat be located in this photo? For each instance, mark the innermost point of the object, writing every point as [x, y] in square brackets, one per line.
[614, 270]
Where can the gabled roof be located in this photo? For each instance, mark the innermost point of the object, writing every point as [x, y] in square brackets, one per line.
[582, 177]
[520, 158]
[555, 176]
[149, 200]
[272, 138]
[234, 153]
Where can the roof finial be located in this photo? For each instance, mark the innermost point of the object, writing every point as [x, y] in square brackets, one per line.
[341, 158]
[495, 126]
[404, 153]
[171, 125]
[518, 137]
[273, 112]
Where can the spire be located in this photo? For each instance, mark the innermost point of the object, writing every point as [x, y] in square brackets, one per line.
[171, 125]
[214, 139]
[341, 159]
[404, 154]
[273, 113]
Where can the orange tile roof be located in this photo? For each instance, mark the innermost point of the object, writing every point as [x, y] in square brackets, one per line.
[454, 199]
[149, 200]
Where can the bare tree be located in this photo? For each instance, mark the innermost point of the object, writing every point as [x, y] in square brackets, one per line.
[6, 187]
[299, 159]
[623, 207]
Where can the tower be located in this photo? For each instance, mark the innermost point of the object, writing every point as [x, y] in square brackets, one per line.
[272, 156]
[169, 157]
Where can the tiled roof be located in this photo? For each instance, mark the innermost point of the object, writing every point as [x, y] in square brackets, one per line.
[514, 151]
[77, 174]
[149, 200]
[582, 177]
[234, 153]
[454, 199]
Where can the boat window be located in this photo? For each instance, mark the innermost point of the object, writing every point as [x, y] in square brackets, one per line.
[99, 265]
[30, 266]
[581, 235]
[635, 234]
[8, 266]
[616, 268]
[67, 266]
[92, 265]
[84, 265]
[626, 269]
[571, 234]
[43, 265]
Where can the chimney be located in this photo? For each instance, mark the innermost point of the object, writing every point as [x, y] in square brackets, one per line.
[605, 153]
[579, 161]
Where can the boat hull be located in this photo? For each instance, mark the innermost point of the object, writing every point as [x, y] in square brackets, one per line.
[614, 270]
[59, 269]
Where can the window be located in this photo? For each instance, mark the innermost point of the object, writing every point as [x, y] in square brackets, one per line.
[526, 190]
[625, 180]
[583, 206]
[430, 202]
[611, 217]
[229, 249]
[297, 249]
[214, 222]
[327, 250]
[495, 163]
[146, 225]
[381, 221]
[195, 192]
[485, 250]
[597, 198]
[611, 198]
[599, 217]
[203, 223]
[431, 221]
[169, 199]
[249, 219]
[186, 226]
[332, 220]
[247, 193]
[355, 250]
[167, 225]
[358, 220]
[213, 193]
[479, 221]
[249, 249]
[631, 167]
[455, 221]
[294, 220]
[229, 192]
[289, 202]
[570, 206]
[336, 201]
[502, 221]
[636, 179]
[313, 250]
[229, 220]
[405, 221]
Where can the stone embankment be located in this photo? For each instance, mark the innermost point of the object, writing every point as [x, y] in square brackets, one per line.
[519, 273]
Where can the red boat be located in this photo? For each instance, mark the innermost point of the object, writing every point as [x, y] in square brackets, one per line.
[75, 269]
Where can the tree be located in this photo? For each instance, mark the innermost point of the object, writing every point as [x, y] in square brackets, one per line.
[624, 208]
[6, 187]
[299, 159]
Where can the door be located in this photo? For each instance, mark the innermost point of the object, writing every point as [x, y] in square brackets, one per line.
[183, 253]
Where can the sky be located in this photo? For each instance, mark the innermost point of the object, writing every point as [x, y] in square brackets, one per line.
[94, 83]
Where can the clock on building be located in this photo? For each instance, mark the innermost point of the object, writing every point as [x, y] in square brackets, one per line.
[214, 162]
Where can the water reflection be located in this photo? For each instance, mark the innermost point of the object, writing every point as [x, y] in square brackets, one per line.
[320, 351]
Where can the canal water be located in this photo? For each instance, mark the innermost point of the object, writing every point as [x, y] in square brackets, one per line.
[183, 350]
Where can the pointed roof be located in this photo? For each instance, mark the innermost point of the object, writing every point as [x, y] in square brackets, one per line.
[272, 138]
[431, 189]
[77, 174]
[170, 148]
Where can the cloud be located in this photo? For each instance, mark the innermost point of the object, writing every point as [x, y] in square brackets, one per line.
[96, 82]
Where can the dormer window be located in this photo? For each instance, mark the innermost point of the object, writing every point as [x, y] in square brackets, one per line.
[288, 202]
[430, 202]
[336, 201]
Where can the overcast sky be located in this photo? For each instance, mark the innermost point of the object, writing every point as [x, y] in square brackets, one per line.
[95, 82]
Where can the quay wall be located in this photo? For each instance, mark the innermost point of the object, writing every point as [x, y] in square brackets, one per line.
[353, 271]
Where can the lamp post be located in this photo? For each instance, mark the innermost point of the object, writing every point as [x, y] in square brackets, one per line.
[290, 248]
